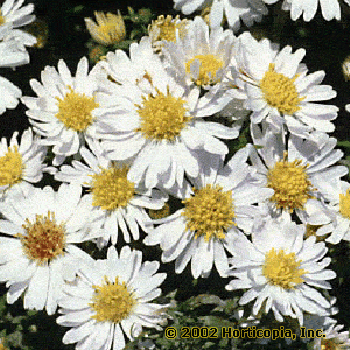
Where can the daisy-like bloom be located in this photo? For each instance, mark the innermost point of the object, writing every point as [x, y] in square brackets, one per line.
[155, 122]
[280, 91]
[166, 29]
[21, 164]
[12, 16]
[338, 199]
[333, 339]
[220, 203]
[299, 173]
[248, 11]
[111, 300]
[65, 110]
[280, 268]
[330, 9]
[110, 28]
[40, 255]
[118, 202]
[202, 56]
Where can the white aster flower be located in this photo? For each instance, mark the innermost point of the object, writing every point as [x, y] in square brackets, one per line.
[220, 203]
[333, 339]
[21, 164]
[299, 173]
[65, 110]
[40, 255]
[330, 9]
[111, 300]
[155, 122]
[338, 199]
[119, 205]
[280, 91]
[202, 56]
[12, 16]
[280, 270]
[248, 11]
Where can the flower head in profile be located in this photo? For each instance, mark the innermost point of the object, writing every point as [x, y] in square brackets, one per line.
[111, 300]
[333, 338]
[166, 28]
[21, 164]
[280, 270]
[280, 91]
[110, 28]
[40, 253]
[65, 111]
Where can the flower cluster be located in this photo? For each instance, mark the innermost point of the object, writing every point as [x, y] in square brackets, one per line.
[146, 129]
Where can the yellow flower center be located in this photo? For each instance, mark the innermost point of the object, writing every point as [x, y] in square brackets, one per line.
[111, 188]
[282, 269]
[45, 240]
[74, 110]
[290, 183]
[11, 167]
[209, 212]
[2, 21]
[280, 92]
[112, 301]
[159, 214]
[162, 116]
[208, 68]
[332, 344]
[344, 204]
[165, 29]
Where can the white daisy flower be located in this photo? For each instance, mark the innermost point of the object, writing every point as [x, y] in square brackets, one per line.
[40, 255]
[13, 15]
[280, 269]
[65, 110]
[21, 164]
[247, 10]
[160, 125]
[333, 339]
[280, 91]
[118, 203]
[202, 56]
[338, 199]
[112, 299]
[299, 173]
[220, 203]
[330, 9]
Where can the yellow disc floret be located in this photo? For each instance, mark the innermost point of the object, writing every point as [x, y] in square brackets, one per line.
[209, 212]
[162, 116]
[44, 239]
[208, 68]
[111, 188]
[282, 269]
[11, 167]
[75, 109]
[280, 92]
[290, 183]
[2, 19]
[112, 301]
[344, 204]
